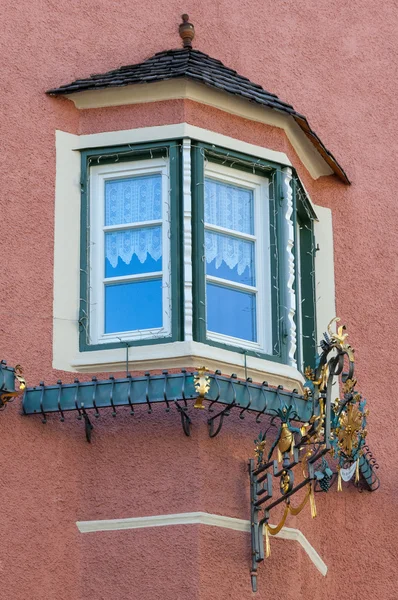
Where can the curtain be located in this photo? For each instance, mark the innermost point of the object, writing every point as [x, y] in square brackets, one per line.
[228, 206]
[233, 251]
[140, 242]
[134, 199]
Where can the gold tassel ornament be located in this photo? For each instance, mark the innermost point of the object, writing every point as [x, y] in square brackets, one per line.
[280, 458]
[357, 472]
[339, 486]
[312, 501]
[267, 544]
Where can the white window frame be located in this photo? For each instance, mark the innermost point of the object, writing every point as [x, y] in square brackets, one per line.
[262, 256]
[99, 174]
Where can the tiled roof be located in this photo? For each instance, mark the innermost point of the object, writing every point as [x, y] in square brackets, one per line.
[199, 67]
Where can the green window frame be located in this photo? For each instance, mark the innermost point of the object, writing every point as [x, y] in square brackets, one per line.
[125, 154]
[244, 163]
[304, 251]
[305, 284]
[302, 211]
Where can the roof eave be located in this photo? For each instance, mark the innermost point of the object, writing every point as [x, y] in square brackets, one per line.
[301, 121]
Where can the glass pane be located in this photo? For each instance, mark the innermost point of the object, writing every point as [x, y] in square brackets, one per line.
[231, 312]
[133, 199]
[229, 258]
[133, 251]
[131, 306]
[228, 206]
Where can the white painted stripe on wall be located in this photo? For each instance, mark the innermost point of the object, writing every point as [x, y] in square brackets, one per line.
[200, 518]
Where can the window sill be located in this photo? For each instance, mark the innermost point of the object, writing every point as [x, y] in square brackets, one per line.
[177, 355]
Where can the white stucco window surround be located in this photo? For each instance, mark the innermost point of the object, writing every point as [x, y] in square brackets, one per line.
[186, 353]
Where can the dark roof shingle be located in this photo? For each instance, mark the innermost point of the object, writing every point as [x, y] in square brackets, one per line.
[194, 64]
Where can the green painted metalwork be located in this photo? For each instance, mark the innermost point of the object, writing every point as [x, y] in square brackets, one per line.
[167, 388]
[329, 448]
[7, 378]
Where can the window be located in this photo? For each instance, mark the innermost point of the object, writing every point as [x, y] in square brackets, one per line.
[237, 258]
[127, 264]
[129, 251]
[250, 239]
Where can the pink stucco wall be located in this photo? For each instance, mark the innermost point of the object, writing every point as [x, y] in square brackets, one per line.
[334, 62]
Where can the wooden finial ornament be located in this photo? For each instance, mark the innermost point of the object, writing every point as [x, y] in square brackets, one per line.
[187, 32]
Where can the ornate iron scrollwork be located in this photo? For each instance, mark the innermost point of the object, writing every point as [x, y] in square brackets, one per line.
[336, 428]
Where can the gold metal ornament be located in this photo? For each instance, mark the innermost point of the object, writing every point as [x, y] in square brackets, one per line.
[339, 486]
[18, 376]
[289, 509]
[323, 379]
[267, 544]
[8, 397]
[321, 382]
[202, 386]
[286, 439]
[339, 338]
[357, 471]
[350, 426]
[312, 501]
[260, 449]
[285, 482]
[349, 385]
[309, 373]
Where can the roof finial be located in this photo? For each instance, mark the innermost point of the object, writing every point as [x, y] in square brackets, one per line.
[187, 32]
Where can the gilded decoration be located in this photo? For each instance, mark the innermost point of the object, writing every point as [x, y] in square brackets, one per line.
[330, 446]
[202, 386]
[308, 442]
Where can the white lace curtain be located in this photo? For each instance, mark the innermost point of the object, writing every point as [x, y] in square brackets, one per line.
[234, 252]
[141, 242]
[228, 206]
[133, 200]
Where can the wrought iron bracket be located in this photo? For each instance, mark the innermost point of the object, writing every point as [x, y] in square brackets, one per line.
[336, 429]
[169, 389]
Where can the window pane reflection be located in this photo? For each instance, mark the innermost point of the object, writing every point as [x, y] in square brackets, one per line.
[134, 305]
[231, 312]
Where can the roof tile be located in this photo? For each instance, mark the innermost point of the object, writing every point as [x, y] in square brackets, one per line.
[194, 64]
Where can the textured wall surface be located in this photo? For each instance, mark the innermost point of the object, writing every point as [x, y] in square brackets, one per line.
[336, 62]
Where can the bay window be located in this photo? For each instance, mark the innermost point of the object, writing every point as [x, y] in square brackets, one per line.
[248, 269]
